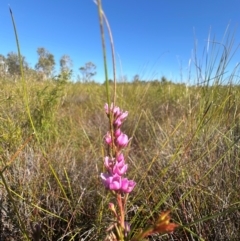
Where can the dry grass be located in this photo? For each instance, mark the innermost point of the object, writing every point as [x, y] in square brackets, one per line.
[184, 155]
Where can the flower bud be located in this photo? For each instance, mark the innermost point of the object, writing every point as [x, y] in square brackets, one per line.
[117, 132]
[108, 163]
[108, 138]
[122, 140]
[126, 228]
[111, 206]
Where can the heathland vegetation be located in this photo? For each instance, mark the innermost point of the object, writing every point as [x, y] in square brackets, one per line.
[184, 156]
[183, 153]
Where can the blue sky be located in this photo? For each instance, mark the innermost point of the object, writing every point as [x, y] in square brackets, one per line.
[152, 37]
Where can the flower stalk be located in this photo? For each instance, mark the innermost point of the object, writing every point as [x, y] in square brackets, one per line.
[115, 180]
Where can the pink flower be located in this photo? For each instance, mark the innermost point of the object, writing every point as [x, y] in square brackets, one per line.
[108, 162]
[111, 182]
[115, 110]
[120, 168]
[120, 118]
[123, 115]
[120, 157]
[104, 177]
[117, 132]
[106, 108]
[108, 138]
[118, 122]
[127, 185]
[122, 140]
[116, 182]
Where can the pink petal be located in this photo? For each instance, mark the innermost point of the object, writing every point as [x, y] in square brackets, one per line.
[122, 140]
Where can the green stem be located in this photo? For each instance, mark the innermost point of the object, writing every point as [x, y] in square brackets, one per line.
[100, 13]
[22, 74]
[122, 215]
[142, 234]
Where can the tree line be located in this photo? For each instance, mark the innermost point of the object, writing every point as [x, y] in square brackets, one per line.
[44, 68]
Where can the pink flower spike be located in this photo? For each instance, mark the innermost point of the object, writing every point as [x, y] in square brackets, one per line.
[122, 140]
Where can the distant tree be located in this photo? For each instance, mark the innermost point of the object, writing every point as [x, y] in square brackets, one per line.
[2, 59]
[110, 81]
[66, 68]
[46, 62]
[136, 78]
[164, 79]
[88, 71]
[3, 65]
[13, 64]
[155, 82]
[65, 63]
